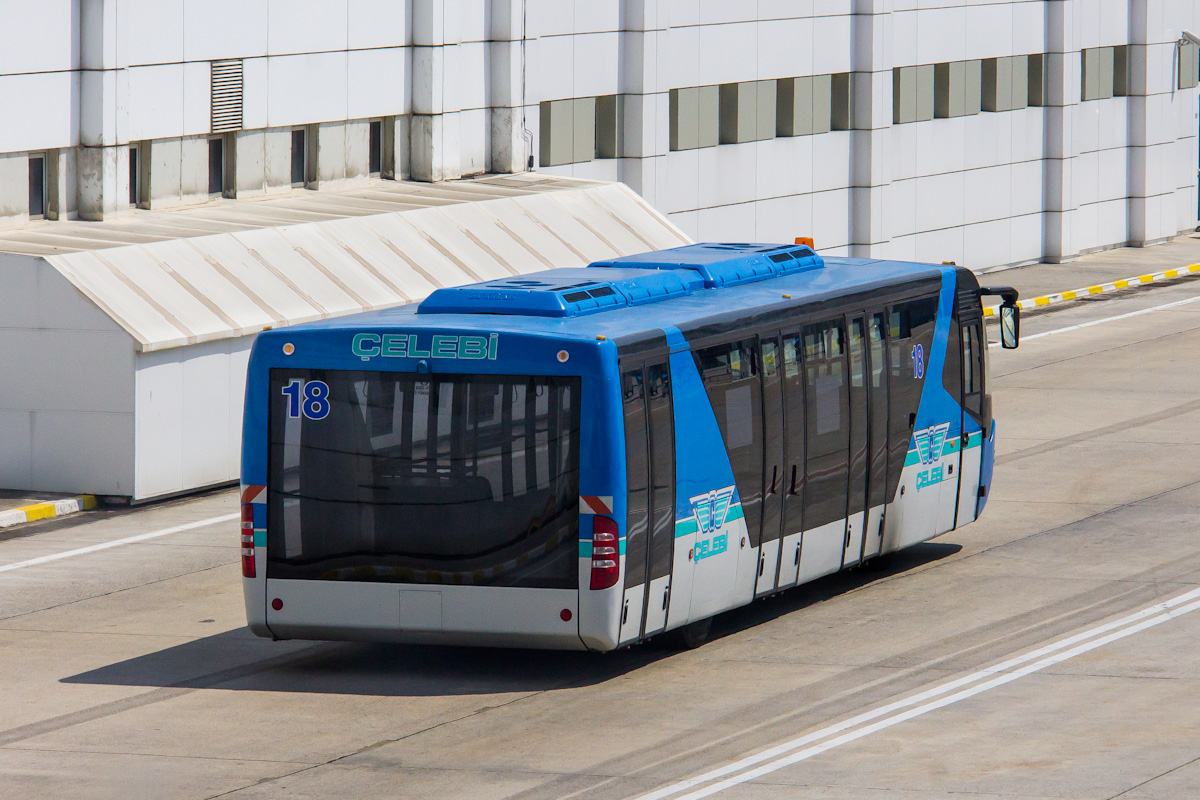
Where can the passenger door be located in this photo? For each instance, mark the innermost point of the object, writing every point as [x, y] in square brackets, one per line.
[877, 441]
[773, 464]
[792, 494]
[650, 520]
[859, 435]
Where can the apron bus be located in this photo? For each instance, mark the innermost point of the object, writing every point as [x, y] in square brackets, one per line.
[584, 458]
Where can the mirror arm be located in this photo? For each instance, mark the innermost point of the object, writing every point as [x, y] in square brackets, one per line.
[1007, 294]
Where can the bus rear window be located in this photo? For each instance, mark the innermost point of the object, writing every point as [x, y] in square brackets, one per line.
[402, 478]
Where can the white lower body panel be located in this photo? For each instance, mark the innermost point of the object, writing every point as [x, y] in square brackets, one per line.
[768, 563]
[821, 550]
[389, 612]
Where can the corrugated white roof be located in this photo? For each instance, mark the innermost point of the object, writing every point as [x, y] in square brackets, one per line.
[189, 288]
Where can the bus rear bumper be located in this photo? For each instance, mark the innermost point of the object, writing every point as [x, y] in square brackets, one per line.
[421, 614]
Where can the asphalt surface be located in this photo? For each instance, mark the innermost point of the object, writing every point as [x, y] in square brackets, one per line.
[127, 670]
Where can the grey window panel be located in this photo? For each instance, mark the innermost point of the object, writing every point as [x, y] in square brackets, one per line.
[1092, 74]
[708, 132]
[997, 94]
[685, 118]
[793, 107]
[1020, 82]
[842, 101]
[972, 86]
[822, 103]
[949, 90]
[1036, 90]
[584, 126]
[904, 95]
[1120, 71]
[925, 92]
[1189, 59]
[557, 143]
[765, 105]
[1106, 73]
[739, 117]
[609, 124]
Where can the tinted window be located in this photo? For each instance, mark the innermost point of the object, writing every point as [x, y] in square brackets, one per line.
[828, 420]
[910, 332]
[403, 478]
[730, 374]
[974, 356]
[637, 472]
[662, 438]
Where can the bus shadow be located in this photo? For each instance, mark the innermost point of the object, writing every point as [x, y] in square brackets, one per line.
[237, 660]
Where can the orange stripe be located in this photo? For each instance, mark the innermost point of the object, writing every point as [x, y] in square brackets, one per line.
[251, 492]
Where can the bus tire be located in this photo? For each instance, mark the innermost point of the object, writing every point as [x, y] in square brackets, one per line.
[695, 634]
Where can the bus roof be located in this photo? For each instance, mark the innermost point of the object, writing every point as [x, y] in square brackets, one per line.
[636, 294]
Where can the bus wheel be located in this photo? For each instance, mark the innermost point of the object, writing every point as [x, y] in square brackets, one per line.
[695, 634]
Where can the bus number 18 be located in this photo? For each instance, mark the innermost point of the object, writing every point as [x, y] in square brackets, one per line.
[308, 397]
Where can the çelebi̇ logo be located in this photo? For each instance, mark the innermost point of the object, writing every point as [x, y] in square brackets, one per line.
[931, 441]
[409, 345]
[711, 509]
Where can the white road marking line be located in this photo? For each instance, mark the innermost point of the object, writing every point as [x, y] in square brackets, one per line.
[1102, 321]
[141, 537]
[1126, 626]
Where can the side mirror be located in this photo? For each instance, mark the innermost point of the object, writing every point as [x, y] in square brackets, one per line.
[1010, 326]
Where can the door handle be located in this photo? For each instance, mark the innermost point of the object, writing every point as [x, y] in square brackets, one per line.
[792, 489]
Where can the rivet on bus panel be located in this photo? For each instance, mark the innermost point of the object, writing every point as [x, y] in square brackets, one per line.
[289, 348]
[563, 355]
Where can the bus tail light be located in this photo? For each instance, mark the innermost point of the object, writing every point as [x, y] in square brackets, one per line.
[248, 570]
[606, 564]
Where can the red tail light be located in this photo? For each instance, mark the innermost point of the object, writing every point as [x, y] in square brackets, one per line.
[248, 540]
[606, 561]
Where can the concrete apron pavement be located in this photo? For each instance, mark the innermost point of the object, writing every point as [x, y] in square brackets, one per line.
[128, 670]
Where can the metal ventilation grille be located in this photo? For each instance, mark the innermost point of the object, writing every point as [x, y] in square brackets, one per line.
[226, 96]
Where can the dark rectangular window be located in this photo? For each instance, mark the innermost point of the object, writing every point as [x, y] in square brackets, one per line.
[37, 186]
[404, 478]
[662, 449]
[216, 166]
[731, 378]
[911, 325]
[375, 154]
[299, 147]
[637, 472]
[878, 403]
[133, 176]
[828, 420]
[974, 350]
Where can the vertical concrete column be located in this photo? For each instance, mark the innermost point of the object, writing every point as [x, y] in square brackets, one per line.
[1154, 105]
[434, 128]
[871, 122]
[511, 136]
[103, 177]
[1063, 73]
[644, 101]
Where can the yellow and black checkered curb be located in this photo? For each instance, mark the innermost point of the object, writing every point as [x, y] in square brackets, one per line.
[1062, 297]
[59, 508]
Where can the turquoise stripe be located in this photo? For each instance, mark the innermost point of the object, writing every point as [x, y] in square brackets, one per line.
[951, 446]
[260, 537]
[686, 527]
[585, 547]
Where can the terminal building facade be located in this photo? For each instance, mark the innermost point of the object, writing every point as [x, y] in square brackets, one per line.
[178, 175]
[985, 133]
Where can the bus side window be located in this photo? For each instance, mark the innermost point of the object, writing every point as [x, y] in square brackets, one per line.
[637, 471]
[662, 450]
[974, 349]
[731, 379]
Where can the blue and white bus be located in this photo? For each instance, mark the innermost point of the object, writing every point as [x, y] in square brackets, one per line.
[584, 458]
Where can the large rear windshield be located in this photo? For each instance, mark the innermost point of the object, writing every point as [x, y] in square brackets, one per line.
[395, 477]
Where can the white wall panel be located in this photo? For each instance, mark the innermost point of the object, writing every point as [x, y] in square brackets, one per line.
[471, 73]
[306, 26]
[39, 35]
[66, 370]
[831, 45]
[160, 424]
[377, 23]
[378, 83]
[16, 456]
[307, 88]
[155, 31]
[215, 29]
[728, 53]
[831, 218]
[156, 99]
[60, 464]
[41, 111]
[551, 67]
[197, 98]
[785, 48]
[598, 51]
[205, 415]
[731, 223]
